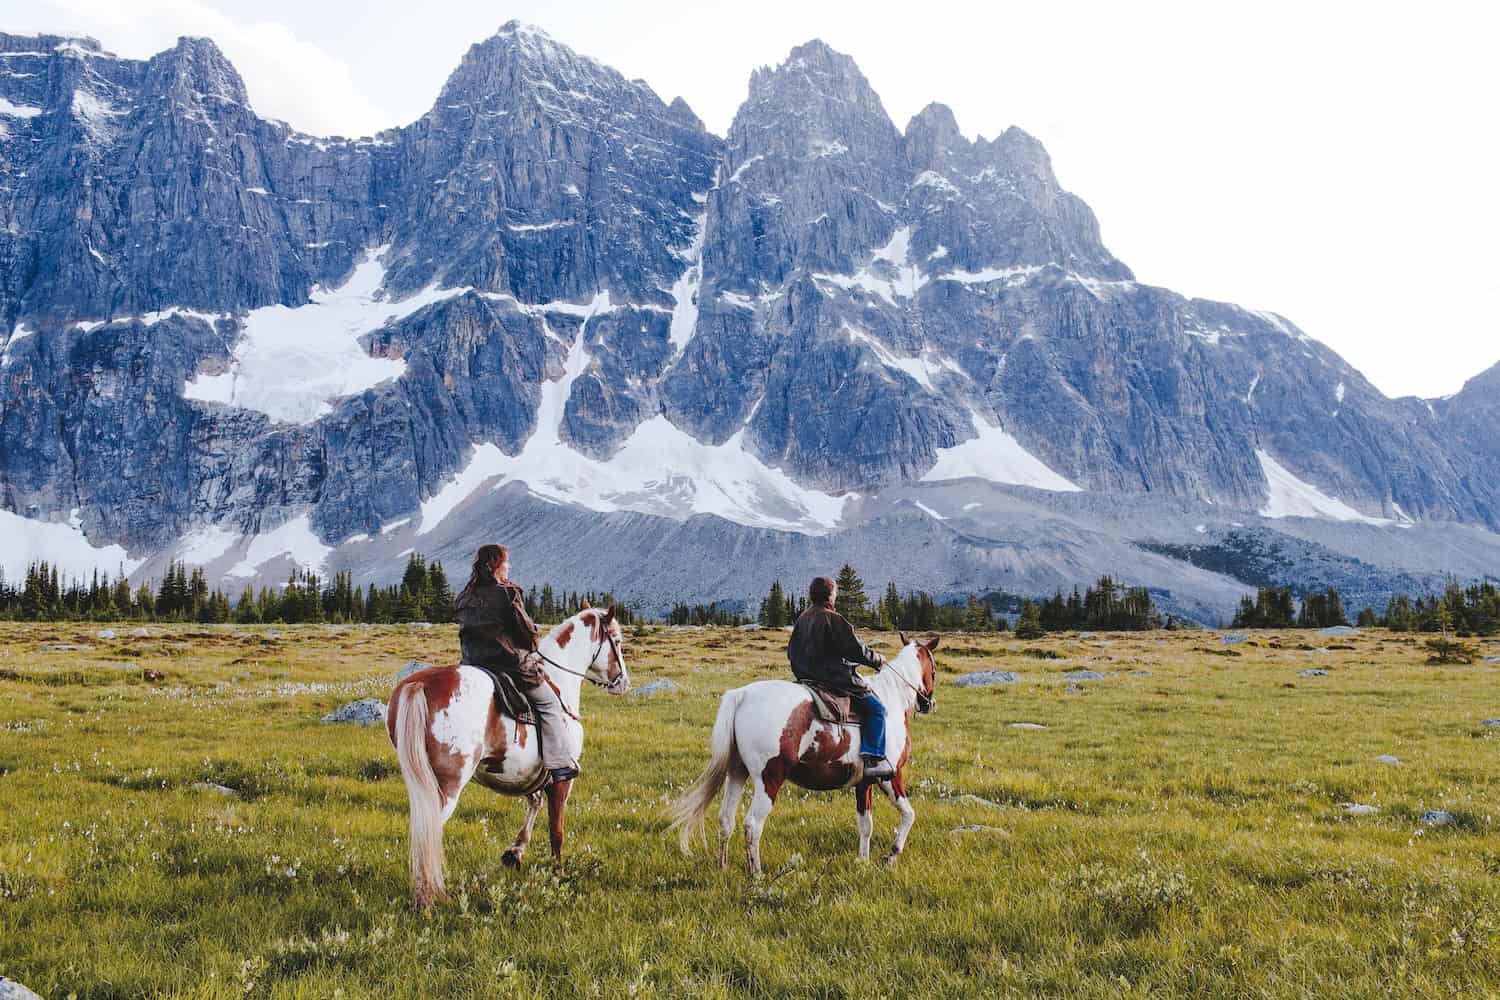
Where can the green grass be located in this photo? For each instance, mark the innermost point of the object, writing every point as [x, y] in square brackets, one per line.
[1176, 834]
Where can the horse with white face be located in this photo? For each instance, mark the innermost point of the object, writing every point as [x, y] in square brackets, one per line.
[446, 730]
[766, 734]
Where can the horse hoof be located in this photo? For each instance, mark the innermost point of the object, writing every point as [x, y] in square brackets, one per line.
[511, 859]
[890, 859]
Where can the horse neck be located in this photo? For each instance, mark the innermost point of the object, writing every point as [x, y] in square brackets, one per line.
[890, 688]
[575, 656]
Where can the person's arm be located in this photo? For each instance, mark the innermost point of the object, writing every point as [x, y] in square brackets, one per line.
[851, 649]
[525, 629]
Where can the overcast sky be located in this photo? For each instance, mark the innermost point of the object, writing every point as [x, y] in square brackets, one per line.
[1335, 162]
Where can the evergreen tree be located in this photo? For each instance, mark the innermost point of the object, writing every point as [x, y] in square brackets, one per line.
[851, 601]
[1029, 626]
[440, 595]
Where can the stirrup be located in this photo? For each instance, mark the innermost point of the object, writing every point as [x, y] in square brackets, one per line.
[561, 774]
[881, 770]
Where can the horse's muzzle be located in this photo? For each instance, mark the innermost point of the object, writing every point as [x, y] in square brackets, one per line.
[925, 703]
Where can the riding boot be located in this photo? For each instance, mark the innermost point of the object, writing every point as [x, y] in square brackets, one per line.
[877, 769]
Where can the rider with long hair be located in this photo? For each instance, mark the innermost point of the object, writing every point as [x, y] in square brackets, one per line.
[496, 633]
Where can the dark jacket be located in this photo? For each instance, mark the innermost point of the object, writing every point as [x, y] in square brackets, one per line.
[824, 651]
[495, 632]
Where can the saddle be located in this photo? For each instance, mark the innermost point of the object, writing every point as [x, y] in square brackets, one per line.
[829, 706]
[508, 697]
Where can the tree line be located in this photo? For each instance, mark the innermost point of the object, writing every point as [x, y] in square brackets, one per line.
[183, 595]
[1107, 605]
[1469, 610]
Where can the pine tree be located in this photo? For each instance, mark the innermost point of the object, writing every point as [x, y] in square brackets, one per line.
[440, 595]
[1029, 626]
[773, 608]
[851, 601]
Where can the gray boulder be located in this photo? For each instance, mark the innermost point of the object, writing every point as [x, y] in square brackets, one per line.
[1339, 630]
[1437, 817]
[364, 712]
[1386, 758]
[1358, 809]
[1234, 640]
[1027, 725]
[411, 668]
[658, 686]
[12, 990]
[1490, 722]
[987, 678]
[1312, 673]
[1084, 675]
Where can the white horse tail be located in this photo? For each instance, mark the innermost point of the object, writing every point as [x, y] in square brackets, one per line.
[688, 811]
[424, 796]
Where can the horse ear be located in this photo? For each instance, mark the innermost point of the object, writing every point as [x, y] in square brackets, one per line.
[609, 615]
[585, 606]
[931, 644]
[903, 637]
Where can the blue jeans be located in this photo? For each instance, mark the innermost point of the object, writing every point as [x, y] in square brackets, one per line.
[871, 724]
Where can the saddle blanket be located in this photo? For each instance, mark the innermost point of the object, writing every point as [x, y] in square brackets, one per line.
[832, 707]
[508, 697]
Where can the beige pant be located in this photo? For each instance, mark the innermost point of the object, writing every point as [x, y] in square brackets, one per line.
[552, 723]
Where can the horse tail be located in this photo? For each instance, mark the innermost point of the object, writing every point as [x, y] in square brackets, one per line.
[689, 810]
[423, 794]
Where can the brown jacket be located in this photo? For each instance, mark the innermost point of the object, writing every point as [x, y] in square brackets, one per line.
[823, 650]
[495, 631]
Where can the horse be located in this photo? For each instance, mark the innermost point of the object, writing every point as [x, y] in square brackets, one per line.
[766, 733]
[446, 730]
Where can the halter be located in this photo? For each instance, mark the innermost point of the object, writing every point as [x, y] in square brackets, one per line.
[921, 695]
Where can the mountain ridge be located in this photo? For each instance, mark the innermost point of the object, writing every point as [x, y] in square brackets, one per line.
[555, 272]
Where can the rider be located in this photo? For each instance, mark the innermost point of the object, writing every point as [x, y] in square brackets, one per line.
[495, 633]
[824, 651]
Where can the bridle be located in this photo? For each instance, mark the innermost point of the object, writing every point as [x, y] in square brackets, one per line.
[611, 686]
[922, 696]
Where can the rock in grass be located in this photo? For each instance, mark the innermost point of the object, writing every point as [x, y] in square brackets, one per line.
[1358, 809]
[68, 647]
[106, 633]
[365, 712]
[1234, 639]
[987, 678]
[1492, 659]
[273, 633]
[1437, 817]
[1386, 758]
[209, 786]
[12, 990]
[1312, 673]
[140, 633]
[1490, 722]
[1140, 673]
[1339, 630]
[421, 625]
[654, 687]
[1087, 635]
[1084, 675]
[411, 668]
[1027, 725]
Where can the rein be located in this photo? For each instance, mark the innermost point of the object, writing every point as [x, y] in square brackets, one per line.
[609, 638]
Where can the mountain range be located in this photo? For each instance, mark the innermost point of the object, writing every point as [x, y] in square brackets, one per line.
[556, 310]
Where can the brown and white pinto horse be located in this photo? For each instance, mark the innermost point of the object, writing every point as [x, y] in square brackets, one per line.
[446, 730]
[766, 733]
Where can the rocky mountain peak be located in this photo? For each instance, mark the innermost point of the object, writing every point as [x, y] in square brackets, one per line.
[931, 135]
[197, 73]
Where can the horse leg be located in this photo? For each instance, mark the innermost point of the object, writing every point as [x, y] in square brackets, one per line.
[734, 787]
[516, 851]
[762, 798]
[896, 792]
[557, 799]
[863, 794]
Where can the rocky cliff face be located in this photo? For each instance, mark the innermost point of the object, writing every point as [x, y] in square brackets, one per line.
[228, 341]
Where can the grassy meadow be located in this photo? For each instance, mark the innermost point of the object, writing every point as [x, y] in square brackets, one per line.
[1176, 829]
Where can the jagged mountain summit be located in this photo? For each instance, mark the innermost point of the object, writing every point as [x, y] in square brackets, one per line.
[226, 341]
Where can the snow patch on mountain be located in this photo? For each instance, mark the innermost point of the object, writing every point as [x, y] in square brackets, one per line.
[1288, 496]
[996, 456]
[24, 541]
[295, 539]
[660, 469]
[685, 289]
[291, 362]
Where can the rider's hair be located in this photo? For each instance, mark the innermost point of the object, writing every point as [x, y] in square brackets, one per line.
[820, 590]
[485, 561]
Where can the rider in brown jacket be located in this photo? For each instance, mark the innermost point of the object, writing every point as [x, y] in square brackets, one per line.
[824, 651]
[497, 634]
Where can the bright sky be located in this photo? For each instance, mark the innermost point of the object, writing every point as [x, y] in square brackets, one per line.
[1335, 162]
